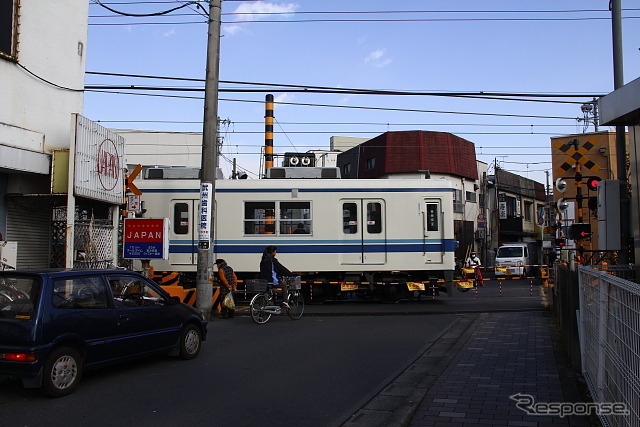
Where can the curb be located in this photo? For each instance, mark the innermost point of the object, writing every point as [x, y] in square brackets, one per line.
[398, 401]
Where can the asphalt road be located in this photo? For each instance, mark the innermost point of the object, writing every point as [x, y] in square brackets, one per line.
[316, 371]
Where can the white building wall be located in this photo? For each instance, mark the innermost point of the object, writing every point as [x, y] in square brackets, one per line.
[52, 42]
[152, 148]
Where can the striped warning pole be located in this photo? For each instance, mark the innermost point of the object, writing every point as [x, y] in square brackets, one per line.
[268, 133]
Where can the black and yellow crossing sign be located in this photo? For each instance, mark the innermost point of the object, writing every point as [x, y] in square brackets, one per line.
[577, 153]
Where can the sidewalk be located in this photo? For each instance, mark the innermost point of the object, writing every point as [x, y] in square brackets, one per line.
[467, 377]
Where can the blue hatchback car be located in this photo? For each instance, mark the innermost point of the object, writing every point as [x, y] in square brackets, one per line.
[56, 324]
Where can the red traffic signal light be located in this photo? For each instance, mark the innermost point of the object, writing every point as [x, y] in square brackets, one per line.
[592, 183]
[561, 242]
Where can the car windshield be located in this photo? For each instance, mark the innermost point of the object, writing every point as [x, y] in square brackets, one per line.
[509, 252]
[18, 296]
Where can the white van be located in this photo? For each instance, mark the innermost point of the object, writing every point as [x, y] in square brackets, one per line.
[515, 259]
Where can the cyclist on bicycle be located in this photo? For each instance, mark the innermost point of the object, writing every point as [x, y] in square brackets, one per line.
[474, 262]
[272, 271]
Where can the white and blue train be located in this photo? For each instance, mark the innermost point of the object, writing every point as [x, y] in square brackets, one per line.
[386, 237]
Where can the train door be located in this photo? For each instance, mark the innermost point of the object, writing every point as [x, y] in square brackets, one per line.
[433, 233]
[363, 231]
[183, 247]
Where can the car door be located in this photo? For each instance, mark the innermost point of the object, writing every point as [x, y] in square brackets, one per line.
[147, 320]
[81, 308]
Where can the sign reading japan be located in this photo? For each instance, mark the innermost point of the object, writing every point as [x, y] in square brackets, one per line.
[146, 238]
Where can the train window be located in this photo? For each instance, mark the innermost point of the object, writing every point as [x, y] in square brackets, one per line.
[350, 218]
[259, 217]
[432, 217]
[374, 218]
[181, 218]
[295, 217]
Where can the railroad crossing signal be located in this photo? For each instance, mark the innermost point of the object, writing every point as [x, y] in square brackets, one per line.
[561, 185]
[129, 184]
[580, 231]
[592, 183]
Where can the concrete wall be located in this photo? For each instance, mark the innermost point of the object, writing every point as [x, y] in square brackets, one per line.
[52, 41]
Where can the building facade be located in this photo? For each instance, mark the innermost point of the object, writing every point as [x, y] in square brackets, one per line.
[52, 160]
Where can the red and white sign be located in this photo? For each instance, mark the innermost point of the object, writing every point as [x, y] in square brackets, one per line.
[99, 162]
[146, 238]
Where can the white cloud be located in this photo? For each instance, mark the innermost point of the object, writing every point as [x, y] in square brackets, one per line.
[233, 29]
[254, 10]
[376, 54]
[383, 63]
[377, 58]
[283, 97]
[169, 33]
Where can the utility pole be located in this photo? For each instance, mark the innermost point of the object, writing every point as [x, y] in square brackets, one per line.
[209, 166]
[621, 143]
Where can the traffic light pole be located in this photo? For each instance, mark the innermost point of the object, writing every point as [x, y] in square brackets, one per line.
[209, 166]
[621, 143]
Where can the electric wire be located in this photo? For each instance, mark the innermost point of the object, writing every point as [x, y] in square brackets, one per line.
[366, 91]
[356, 107]
[139, 15]
[45, 80]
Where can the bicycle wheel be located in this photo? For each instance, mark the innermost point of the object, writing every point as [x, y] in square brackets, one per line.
[257, 309]
[296, 304]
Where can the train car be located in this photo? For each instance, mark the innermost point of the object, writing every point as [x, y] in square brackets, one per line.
[381, 237]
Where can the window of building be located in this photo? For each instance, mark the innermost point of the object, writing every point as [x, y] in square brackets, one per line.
[458, 203]
[528, 211]
[470, 196]
[512, 209]
[9, 28]
[277, 217]
[371, 163]
[346, 169]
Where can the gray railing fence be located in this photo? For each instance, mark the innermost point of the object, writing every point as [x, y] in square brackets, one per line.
[609, 333]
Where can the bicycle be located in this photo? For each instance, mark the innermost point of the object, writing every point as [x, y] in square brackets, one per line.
[469, 281]
[263, 305]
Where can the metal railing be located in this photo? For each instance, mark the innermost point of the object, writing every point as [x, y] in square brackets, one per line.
[609, 325]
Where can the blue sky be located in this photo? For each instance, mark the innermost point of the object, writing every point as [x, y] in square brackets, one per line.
[535, 47]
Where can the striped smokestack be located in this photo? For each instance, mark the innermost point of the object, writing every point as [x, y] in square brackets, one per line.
[268, 133]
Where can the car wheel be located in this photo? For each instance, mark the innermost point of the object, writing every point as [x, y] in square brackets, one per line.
[62, 372]
[190, 342]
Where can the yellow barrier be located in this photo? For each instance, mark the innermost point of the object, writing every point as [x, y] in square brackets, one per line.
[188, 296]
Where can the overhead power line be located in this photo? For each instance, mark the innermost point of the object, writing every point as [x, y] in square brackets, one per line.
[276, 87]
[355, 107]
[144, 15]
